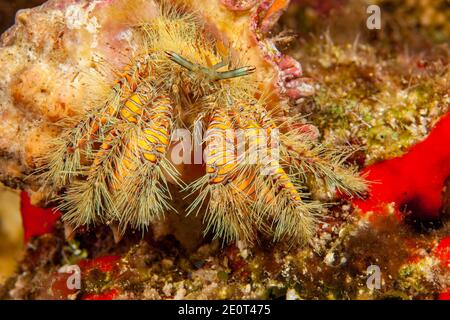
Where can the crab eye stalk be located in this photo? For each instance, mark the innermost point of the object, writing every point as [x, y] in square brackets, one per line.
[240, 72]
[181, 61]
[210, 72]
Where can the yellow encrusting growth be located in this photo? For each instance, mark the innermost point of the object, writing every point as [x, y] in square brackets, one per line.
[112, 164]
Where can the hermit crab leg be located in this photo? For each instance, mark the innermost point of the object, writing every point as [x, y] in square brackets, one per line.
[125, 85]
[99, 196]
[90, 200]
[307, 160]
[292, 217]
[144, 193]
[227, 213]
[281, 203]
[64, 160]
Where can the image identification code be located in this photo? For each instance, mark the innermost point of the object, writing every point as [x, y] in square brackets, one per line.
[226, 309]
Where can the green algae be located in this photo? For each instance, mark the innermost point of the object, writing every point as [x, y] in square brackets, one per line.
[382, 104]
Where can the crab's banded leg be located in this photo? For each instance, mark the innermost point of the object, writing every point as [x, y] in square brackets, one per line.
[281, 202]
[282, 180]
[155, 141]
[246, 185]
[143, 193]
[272, 166]
[125, 86]
[132, 110]
[150, 143]
[251, 183]
[90, 201]
[129, 79]
[228, 213]
[104, 149]
[95, 198]
[256, 139]
[125, 166]
[220, 159]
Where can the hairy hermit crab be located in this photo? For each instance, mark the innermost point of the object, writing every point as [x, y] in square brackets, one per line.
[116, 155]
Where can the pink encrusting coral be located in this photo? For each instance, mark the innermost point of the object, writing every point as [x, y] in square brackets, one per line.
[109, 295]
[414, 181]
[442, 252]
[36, 221]
[239, 5]
[414, 184]
[107, 266]
[290, 81]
